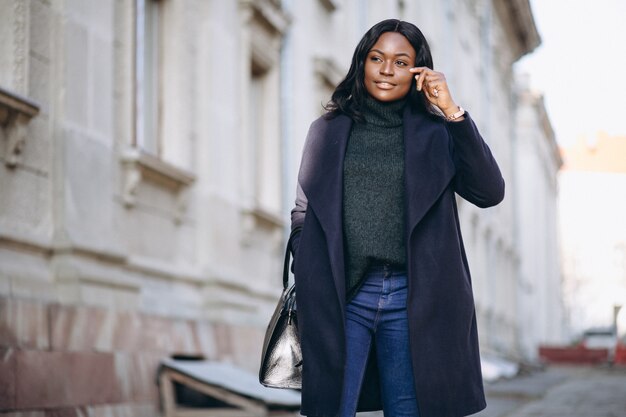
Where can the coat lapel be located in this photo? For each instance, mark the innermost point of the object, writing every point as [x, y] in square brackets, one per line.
[428, 164]
[323, 187]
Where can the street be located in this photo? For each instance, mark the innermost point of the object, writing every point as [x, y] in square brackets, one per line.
[560, 392]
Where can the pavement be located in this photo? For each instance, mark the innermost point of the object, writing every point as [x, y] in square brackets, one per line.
[557, 391]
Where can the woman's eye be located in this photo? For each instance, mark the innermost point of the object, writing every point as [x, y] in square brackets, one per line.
[401, 63]
[375, 59]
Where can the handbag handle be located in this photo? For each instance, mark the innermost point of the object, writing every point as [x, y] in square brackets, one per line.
[288, 257]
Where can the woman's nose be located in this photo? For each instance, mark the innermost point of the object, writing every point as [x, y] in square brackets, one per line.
[386, 68]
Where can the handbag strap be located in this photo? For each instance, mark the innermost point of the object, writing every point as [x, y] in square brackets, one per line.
[288, 252]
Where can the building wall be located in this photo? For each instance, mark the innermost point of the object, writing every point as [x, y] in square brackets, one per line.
[537, 164]
[119, 247]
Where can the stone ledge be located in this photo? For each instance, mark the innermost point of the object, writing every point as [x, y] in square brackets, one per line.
[31, 243]
[85, 263]
[15, 113]
[265, 218]
[158, 170]
[13, 102]
[140, 166]
[257, 220]
[154, 267]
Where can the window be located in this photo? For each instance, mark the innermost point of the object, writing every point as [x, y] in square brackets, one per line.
[148, 72]
[265, 136]
[145, 159]
[264, 24]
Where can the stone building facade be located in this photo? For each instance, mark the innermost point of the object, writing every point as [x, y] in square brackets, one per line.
[537, 163]
[149, 151]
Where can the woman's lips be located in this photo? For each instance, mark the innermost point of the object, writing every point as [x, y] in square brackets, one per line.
[384, 85]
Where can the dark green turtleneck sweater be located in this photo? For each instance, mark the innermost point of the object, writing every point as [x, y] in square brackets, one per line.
[373, 191]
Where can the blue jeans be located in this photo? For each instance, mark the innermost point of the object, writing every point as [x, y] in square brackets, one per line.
[377, 314]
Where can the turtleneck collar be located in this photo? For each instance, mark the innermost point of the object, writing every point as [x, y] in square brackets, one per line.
[383, 114]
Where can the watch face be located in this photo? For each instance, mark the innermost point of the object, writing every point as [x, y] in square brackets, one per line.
[456, 115]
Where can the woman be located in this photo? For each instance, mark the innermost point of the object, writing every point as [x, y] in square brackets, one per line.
[384, 296]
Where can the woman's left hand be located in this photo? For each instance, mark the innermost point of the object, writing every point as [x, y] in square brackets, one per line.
[435, 87]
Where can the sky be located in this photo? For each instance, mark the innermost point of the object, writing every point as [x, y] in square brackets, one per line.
[580, 67]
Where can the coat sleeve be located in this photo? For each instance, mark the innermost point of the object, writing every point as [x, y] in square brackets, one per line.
[298, 212]
[478, 178]
[297, 218]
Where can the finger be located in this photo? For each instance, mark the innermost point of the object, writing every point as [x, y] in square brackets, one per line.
[417, 69]
[434, 76]
[419, 78]
[420, 81]
[433, 89]
[436, 82]
[428, 95]
[430, 76]
[431, 85]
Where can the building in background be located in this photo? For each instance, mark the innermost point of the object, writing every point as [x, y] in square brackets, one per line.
[592, 207]
[537, 161]
[149, 151]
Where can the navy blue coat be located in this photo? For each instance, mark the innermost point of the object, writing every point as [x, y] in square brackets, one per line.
[441, 159]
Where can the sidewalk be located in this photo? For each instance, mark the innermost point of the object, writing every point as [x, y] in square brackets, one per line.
[559, 392]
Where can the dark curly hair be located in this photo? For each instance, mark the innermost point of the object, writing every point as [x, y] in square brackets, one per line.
[351, 92]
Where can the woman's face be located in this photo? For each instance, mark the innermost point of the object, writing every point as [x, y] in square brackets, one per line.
[387, 76]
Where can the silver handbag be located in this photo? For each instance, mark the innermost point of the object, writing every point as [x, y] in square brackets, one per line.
[281, 359]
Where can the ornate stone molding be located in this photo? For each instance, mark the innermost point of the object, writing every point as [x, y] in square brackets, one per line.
[519, 20]
[15, 113]
[328, 70]
[264, 218]
[141, 166]
[20, 50]
[330, 5]
[267, 11]
[256, 219]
